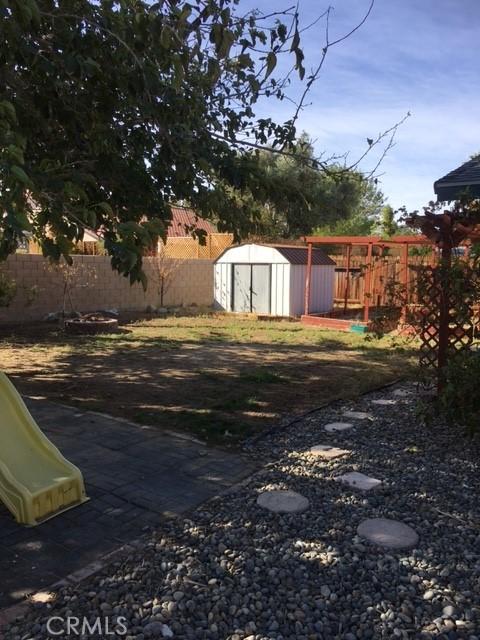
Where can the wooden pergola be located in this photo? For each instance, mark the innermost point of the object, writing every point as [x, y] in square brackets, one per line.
[370, 242]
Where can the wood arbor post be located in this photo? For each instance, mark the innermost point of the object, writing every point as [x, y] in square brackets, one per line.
[444, 312]
[308, 278]
[405, 282]
[347, 278]
[368, 283]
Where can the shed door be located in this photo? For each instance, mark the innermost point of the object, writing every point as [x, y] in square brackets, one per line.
[261, 288]
[251, 288]
[242, 280]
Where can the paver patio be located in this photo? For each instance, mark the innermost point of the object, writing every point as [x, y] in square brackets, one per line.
[135, 476]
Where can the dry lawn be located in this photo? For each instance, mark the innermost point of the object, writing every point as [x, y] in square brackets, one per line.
[219, 377]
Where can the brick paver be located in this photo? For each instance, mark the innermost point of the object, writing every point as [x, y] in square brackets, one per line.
[134, 476]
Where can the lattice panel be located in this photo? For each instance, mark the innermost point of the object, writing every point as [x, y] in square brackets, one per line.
[190, 248]
[460, 320]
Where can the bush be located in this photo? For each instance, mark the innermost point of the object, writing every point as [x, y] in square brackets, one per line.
[459, 399]
[8, 289]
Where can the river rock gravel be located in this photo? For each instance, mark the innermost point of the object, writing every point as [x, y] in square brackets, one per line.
[234, 571]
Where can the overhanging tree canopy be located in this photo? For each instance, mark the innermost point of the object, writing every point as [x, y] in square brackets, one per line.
[110, 109]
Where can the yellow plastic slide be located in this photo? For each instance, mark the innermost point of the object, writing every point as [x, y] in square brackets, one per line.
[36, 481]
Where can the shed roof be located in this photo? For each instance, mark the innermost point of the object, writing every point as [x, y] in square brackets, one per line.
[463, 178]
[184, 221]
[298, 255]
[293, 254]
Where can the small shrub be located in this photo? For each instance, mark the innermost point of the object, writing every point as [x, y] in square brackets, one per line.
[8, 290]
[459, 399]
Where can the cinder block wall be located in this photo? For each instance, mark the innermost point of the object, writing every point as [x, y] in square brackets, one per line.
[95, 286]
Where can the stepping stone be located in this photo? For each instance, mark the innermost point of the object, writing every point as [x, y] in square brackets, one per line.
[338, 426]
[328, 452]
[401, 393]
[283, 501]
[384, 402]
[359, 481]
[357, 415]
[388, 533]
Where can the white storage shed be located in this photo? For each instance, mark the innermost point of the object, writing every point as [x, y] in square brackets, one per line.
[270, 280]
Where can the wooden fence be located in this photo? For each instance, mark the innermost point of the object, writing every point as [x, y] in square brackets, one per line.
[387, 272]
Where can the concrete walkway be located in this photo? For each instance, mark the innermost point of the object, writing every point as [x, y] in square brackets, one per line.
[135, 476]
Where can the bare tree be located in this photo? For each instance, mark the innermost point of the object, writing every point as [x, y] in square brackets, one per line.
[164, 269]
[74, 276]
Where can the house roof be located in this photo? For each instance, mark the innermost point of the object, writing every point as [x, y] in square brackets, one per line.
[184, 221]
[91, 236]
[463, 178]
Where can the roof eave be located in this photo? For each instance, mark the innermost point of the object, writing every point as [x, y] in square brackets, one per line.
[448, 191]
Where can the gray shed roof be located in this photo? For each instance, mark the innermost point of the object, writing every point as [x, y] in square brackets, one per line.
[298, 255]
[464, 178]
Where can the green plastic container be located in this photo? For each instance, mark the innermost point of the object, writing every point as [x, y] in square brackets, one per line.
[359, 328]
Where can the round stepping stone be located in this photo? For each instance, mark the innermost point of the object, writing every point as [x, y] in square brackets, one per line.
[359, 481]
[283, 501]
[401, 393]
[338, 426]
[384, 402]
[357, 415]
[388, 533]
[328, 452]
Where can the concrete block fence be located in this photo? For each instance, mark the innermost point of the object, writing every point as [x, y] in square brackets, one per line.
[95, 286]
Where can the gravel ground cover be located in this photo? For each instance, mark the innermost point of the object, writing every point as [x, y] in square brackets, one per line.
[233, 570]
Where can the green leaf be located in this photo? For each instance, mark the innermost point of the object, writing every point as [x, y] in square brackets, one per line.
[105, 208]
[228, 39]
[143, 280]
[179, 72]
[186, 12]
[295, 41]
[166, 37]
[131, 259]
[16, 153]
[91, 218]
[35, 12]
[22, 220]
[282, 32]
[20, 175]
[271, 63]
[216, 35]
[8, 110]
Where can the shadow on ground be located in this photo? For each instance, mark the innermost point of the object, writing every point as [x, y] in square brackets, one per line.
[214, 387]
[135, 477]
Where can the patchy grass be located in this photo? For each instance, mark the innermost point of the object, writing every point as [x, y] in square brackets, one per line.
[219, 377]
[237, 403]
[261, 376]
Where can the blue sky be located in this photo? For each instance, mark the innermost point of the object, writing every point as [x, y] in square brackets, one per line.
[421, 56]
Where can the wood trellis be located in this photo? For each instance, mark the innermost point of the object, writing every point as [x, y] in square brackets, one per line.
[447, 321]
[449, 297]
[443, 331]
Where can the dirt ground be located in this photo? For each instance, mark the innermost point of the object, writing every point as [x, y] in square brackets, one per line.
[220, 378]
